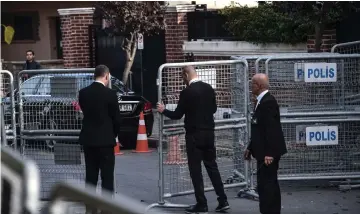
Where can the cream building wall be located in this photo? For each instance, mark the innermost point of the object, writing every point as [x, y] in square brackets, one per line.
[44, 48]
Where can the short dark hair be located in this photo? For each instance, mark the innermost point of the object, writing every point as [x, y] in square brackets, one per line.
[101, 71]
[33, 53]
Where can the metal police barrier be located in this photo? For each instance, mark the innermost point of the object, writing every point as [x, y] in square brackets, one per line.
[230, 82]
[321, 83]
[70, 199]
[321, 148]
[50, 122]
[20, 183]
[7, 106]
[347, 48]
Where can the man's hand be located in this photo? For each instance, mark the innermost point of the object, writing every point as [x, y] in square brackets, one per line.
[160, 107]
[247, 155]
[268, 160]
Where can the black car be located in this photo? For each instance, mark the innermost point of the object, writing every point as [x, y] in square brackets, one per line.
[49, 102]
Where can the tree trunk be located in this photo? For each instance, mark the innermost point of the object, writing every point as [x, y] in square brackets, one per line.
[130, 50]
[319, 30]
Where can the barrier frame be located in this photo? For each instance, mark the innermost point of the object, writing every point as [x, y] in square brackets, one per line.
[161, 200]
[12, 106]
[39, 135]
[341, 45]
[27, 188]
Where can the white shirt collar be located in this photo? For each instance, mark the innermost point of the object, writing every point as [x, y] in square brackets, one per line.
[194, 80]
[260, 97]
[100, 82]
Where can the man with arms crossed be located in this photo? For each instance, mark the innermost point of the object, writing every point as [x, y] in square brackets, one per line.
[100, 127]
[267, 145]
[198, 102]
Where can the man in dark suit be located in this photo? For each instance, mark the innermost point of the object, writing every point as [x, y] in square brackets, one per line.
[100, 127]
[198, 103]
[267, 145]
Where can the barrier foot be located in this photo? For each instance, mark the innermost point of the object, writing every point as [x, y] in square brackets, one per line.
[236, 177]
[248, 193]
[166, 204]
[344, 188]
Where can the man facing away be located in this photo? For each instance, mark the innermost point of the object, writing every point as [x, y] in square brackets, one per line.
[100, 127]
[198, 102]
[267, 145]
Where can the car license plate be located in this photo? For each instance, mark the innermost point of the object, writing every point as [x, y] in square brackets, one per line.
[126, 107]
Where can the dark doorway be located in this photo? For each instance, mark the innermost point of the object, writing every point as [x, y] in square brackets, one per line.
[348, 30]
[153, 57]
[107, 51]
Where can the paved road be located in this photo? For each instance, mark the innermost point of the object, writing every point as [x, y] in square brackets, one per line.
[137, 177]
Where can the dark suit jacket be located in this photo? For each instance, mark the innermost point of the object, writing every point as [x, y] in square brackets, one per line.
[101, 121]
[267, 138]
[198, 103]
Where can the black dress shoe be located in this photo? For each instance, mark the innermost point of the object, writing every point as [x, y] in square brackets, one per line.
[197, 209]
[222, 207]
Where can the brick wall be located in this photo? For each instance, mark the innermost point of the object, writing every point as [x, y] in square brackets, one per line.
[75, 36]
[175, 35]
[210, 58]
[328, 40]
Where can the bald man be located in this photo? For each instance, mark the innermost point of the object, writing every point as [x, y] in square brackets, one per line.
[267, 145]
[198, 103]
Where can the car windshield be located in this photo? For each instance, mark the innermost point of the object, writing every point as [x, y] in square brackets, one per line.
[118, 85]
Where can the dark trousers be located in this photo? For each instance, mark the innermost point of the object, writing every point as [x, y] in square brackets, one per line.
[200, 147]
[100, 159]
[268, 187]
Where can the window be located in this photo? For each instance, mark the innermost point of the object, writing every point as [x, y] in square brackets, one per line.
[25, 24]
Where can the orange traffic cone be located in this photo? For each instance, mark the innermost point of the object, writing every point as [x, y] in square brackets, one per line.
[174, 153]
[142, 145]
[117, 148]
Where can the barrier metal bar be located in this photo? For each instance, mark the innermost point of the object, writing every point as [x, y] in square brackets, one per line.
[320, 120]
[51, 131]
[235, 120]
[350, 47]
[12, 105]
[20, 183]
[3, 139]
[225, 127]
[66, 197]
[312, 114]
[62, 138]
[161, 202]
